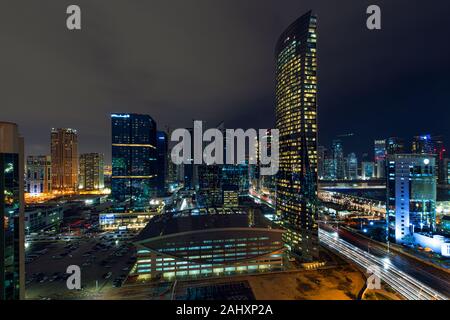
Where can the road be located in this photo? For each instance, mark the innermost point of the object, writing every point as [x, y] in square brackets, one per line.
[383, 266]
[428, 275]
[423, 272]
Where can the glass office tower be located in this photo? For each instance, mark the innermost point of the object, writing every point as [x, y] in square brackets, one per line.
[296, 120]
[338, 159]
[133, 159]
[12, 268]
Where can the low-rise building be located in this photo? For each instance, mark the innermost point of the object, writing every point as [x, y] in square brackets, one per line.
[220, 242]
[43, 217]
[38, 175]
[437, 243]
[120, 219]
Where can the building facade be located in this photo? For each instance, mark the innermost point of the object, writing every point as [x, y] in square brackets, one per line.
[296, 120]
[64, 155]
[446, 172]
[184, 245]
[12, 205]
[43, 217]
[367, 170]
[133, 159]
[395, 145]
[91, 172]
[210, 185]
[162, 162]
[230, 196]
[411, 196]
[117, 219]
[352, 166]
[338, 159]
[380, 153]
[39, 174]
[428, 144]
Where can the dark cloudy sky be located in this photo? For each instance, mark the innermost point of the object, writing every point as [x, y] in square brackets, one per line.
[213, 60]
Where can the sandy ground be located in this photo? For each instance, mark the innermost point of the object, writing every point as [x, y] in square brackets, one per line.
[337, 283]
[340, 283]
[384, 294]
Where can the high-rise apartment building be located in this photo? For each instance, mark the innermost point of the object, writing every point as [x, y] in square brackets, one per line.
[411, 195]
[91, 172]
[380, 153]
[133, 159]
[64, 155]
[380, 150]
[39, 174]
[296, 120]
[12, 205]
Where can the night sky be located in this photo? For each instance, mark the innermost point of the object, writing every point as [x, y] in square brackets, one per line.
[213, 60]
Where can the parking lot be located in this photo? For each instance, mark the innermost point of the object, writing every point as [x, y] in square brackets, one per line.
[104, 264]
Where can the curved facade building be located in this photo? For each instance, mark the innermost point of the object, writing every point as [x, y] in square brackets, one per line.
[296, 120]
[222, 241]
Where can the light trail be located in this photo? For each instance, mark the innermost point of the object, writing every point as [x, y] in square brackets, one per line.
[401, 282]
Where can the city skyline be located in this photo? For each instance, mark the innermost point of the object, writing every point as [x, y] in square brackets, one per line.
[106, 78]
[346, 195]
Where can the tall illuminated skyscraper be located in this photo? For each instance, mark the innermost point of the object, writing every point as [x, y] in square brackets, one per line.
[380, 153]
[338, 159]
[133, 159]
[162, 162]
[64, 149]
[296, 120]
[380, 150]
[12, 246]
[352, 166]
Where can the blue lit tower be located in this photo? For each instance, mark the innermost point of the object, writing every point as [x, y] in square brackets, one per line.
[411, 195]
[133, 159]
[161, 162]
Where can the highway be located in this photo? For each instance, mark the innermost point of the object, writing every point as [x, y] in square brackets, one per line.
[419, 273]
[428, 274]
[403, 283]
